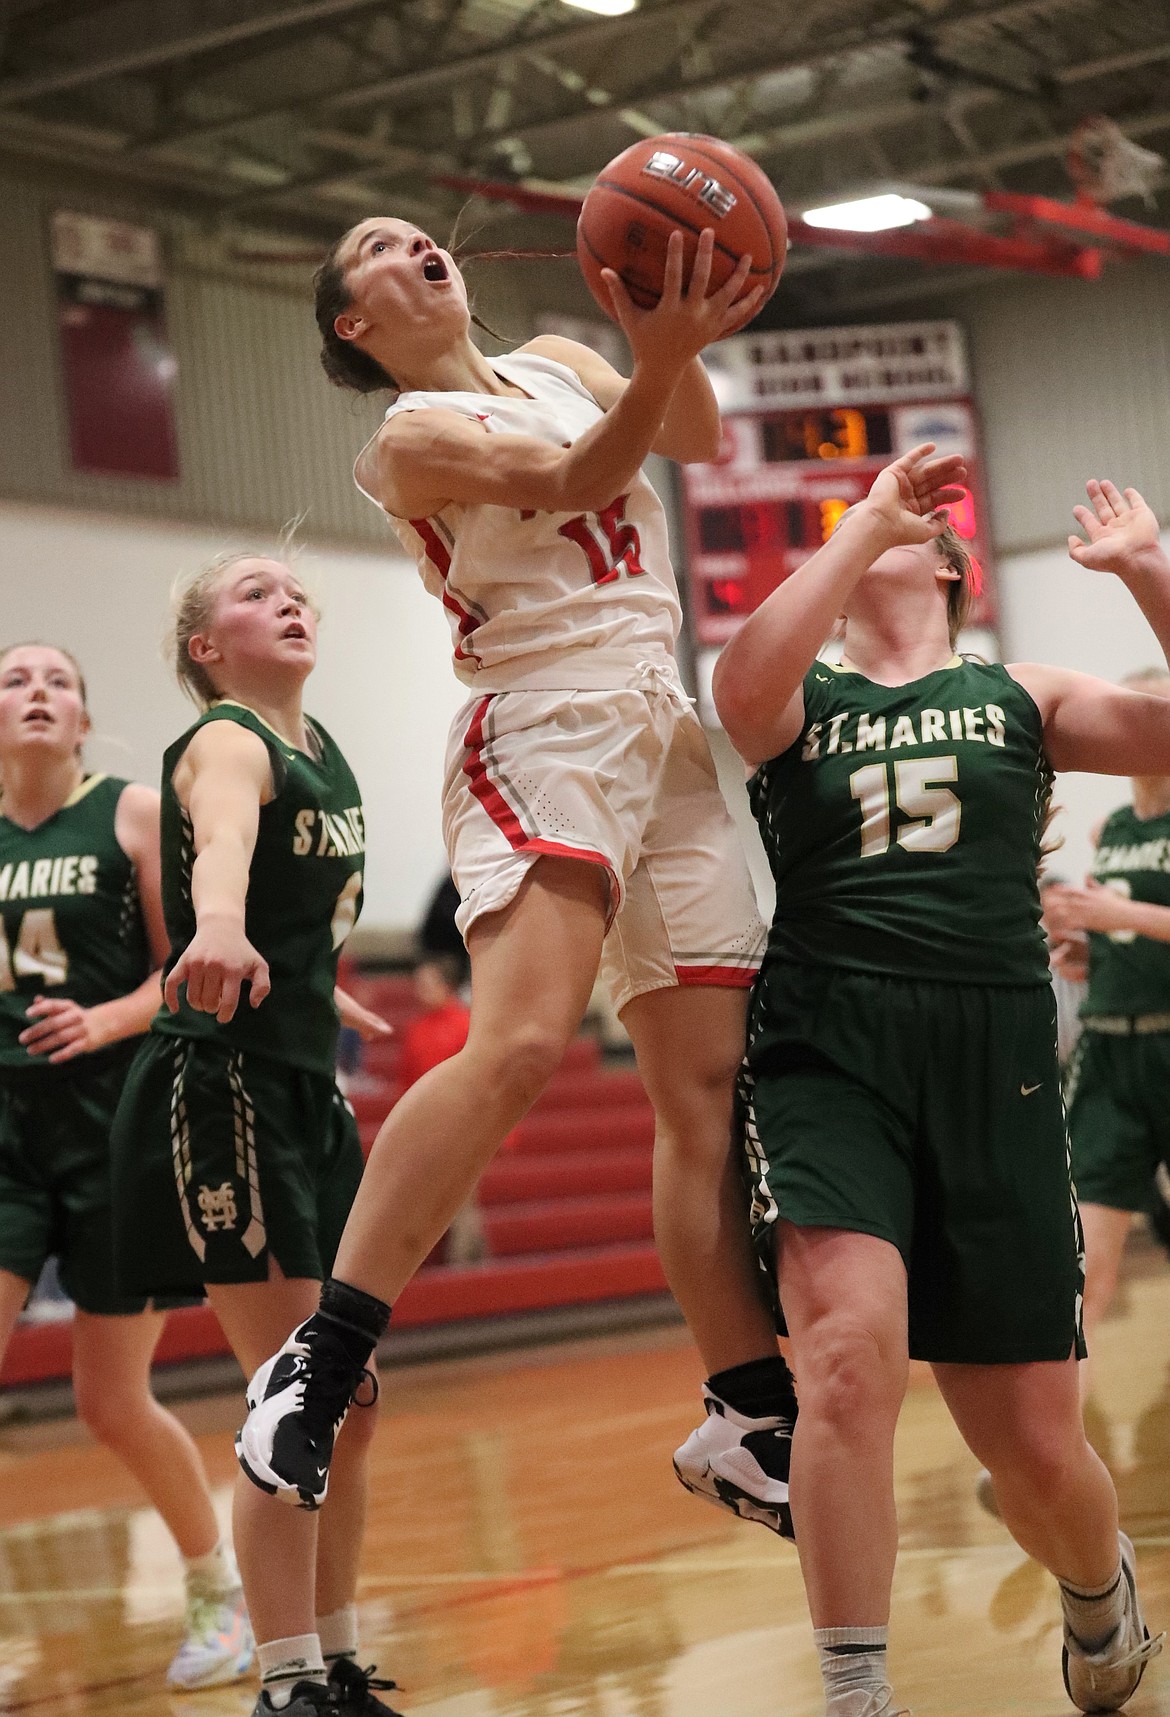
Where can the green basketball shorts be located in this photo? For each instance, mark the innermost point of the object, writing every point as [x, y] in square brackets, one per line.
[929, 1115]
[1118, 1094]
[55, 1191]
[225, 1162]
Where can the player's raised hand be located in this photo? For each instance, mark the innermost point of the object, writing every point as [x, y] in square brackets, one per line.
[215, 963]
[685, 319]
[909, 495]
[1122, 532]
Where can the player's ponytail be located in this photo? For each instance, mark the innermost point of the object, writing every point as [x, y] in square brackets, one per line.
[961, 591]
[192, 605]
[346, 365]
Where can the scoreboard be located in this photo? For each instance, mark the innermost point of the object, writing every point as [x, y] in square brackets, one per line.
[809, 420]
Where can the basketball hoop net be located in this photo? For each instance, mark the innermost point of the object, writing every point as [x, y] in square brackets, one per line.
[1105, 165]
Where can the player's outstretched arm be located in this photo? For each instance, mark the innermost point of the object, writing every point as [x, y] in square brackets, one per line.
[1088, 723]
[221, 779]
[422, 460]
[759, 675]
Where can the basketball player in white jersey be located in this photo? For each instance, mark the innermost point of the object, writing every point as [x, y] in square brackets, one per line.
[582, 817]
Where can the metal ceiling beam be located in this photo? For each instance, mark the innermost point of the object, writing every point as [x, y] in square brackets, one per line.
[276, 21]
[806, 130]
[1114, 63]
[795, 134]
[421, 79]
[819, 127]
[890, 33]
[413, 81]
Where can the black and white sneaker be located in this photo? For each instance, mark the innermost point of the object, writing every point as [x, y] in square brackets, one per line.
[309, 1699]
[297, 1403]
[351, 1690]
[740, 1464]
[1102, 1680]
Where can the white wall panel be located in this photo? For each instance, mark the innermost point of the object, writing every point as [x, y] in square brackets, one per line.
[1072, 378]
[1056, 611]
[262, 435]
[383, 686]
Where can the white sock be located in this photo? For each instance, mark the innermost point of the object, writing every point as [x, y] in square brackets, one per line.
[284, 1662]
[338, 1633]
[214, 1572]
[853, 1665]
[1092, 1615]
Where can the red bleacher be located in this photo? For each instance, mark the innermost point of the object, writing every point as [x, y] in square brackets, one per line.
[566, 1206]
[575, 1173]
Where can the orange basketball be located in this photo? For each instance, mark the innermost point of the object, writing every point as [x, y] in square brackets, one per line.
[688, 181]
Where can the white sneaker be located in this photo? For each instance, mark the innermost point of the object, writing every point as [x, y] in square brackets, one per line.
[1104, 1679]
[740, 1464]
[878, 1703]
[217, 1646]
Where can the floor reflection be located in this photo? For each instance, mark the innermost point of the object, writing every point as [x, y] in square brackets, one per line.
[530, 1554]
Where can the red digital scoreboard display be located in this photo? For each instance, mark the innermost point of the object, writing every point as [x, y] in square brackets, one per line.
[847, 401]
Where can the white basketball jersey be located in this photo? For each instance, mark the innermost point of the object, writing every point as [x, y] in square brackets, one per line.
[545, 600]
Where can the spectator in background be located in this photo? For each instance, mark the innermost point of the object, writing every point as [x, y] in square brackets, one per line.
[434, 1035]
[440, 1030]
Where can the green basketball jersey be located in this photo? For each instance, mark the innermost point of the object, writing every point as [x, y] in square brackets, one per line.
[70, 922]
[1128, 973]
[304, 894]
[903, 827]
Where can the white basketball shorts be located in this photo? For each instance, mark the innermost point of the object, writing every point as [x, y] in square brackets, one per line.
[623, 779]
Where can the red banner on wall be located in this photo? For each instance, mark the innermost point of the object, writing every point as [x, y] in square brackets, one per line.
[118, 369]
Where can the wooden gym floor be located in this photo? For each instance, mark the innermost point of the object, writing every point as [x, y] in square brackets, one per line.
[531, 1555]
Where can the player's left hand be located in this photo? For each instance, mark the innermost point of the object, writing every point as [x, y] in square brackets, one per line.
[909, 496]
[1093, 907]
[1122, 532]
[370, 1027]
[63, 1029]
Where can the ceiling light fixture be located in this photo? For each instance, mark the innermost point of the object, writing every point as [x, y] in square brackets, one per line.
[607, 8]
[869, 214]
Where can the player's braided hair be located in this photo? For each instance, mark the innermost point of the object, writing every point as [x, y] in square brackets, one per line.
[192, 606]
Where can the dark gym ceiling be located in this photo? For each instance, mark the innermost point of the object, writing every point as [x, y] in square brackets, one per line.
[267, 119]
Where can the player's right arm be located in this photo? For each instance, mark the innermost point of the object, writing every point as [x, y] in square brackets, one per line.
[760, 674]
[221, 780]
[423, 460]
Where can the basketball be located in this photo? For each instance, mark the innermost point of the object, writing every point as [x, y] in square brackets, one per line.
[688, 181]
